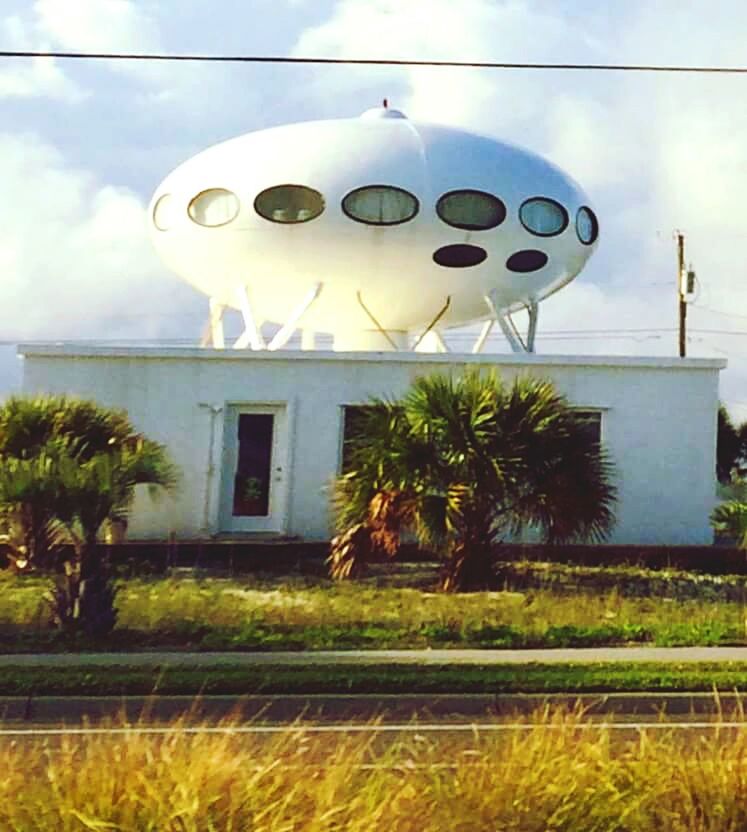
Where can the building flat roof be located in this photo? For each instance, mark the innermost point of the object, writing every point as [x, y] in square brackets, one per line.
[63, 349]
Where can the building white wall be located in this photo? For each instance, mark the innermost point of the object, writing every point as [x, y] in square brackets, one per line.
[659, 421]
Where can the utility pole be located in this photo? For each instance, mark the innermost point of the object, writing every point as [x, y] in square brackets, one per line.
[686, 290]
[681, 287]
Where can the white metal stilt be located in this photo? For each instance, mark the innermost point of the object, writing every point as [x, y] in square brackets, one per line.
[487, 328]
[392, 343]
[440, 343]
[533, 310]
[431, 329]
[506, 325]
[217, 310]
[251, 336]
[289, 327]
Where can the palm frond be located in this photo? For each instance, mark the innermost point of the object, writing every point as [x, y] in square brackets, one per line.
[730, 519]
[350, 552]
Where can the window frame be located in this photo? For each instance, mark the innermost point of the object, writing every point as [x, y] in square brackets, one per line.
[289, 185]
[217, 224]
[595, 226]
[551, 201]
[380, 224]
[342, 440]
[471, 192]
[596, 413]
[166, 198]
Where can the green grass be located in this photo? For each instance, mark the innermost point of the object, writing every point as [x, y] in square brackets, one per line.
[293, 613]
[349, 679]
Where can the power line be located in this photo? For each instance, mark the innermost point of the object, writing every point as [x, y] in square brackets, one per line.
[719, 312]
[459, 332]
[555, 335]
[718, 332]
[728, 353]
[286, 59]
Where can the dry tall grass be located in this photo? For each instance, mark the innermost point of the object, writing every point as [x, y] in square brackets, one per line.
[564, 775]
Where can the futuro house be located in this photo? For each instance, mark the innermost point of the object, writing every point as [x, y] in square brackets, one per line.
[375, 229]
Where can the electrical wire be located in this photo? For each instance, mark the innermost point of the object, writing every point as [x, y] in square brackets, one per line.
[570, 333]
[287, 59]
[717, 332]
[719, 312]
[730, 354]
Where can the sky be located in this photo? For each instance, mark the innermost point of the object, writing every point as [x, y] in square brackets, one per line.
[83, 145]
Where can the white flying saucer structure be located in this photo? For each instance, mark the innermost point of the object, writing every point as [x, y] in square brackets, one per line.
[377, 229]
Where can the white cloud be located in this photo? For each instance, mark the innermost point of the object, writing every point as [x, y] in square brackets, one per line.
[98, 25]
[117, 26]
[438, 29]
[583, 136]
[37, 78]
[472, 30]
[74, 253]
[166, 89]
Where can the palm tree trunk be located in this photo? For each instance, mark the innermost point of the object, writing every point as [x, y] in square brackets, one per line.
[469, 565]
[83, 598]
[35, 523]
[96, 613]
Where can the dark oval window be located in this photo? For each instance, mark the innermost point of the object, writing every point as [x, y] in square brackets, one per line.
[471, 210]
[380, 205]
[528, 260]
[459, 256]
[543, 217]
[289, 204]
[587, 226]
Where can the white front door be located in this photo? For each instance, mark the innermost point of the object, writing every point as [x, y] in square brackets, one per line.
[253, 488]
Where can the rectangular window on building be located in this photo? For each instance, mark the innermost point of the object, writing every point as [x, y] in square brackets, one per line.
[351, 428]
[593, 419]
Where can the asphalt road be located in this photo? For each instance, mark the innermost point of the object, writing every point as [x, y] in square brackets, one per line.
[362, 708]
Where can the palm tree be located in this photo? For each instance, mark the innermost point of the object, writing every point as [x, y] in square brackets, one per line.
[67, 468]
[731, 448]
[462, 462]
[29, 427]
[91, 493]
[730, 517]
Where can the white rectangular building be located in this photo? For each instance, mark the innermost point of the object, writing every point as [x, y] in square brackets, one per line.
[258, 436]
